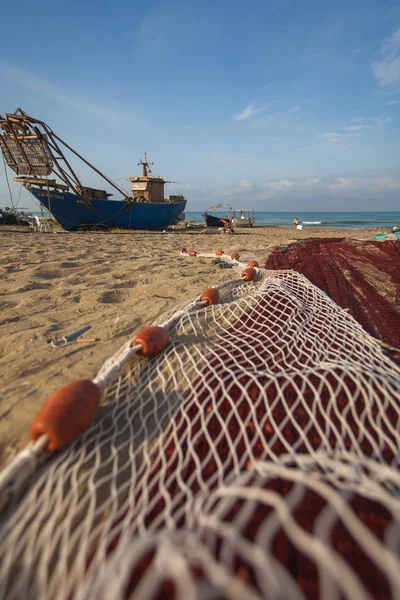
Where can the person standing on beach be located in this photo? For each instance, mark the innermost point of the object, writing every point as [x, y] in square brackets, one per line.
[295, 222]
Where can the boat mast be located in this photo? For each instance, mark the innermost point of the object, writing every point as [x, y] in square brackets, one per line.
[145, 165]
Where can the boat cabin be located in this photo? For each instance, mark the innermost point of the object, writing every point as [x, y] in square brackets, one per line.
[148, 188]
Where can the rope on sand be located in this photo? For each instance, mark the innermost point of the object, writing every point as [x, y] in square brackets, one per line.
[59, 421]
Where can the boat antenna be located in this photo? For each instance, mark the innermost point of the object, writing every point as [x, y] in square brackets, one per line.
[145, 165]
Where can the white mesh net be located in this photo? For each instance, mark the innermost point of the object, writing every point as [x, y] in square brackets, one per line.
[257, 457]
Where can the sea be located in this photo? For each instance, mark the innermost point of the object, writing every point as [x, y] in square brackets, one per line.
[337, 220]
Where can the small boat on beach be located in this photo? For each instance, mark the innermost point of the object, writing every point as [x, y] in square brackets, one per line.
[243, 217]
[10, 216]
[218, 216]
[33, 151]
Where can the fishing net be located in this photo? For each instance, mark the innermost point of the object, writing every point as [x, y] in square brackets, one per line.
[257, 457]
[363, 277]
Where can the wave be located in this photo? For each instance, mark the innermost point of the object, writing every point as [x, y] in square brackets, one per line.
[312, 222]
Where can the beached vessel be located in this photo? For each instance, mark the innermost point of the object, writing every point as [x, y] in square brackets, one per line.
[218, 216]
[243, 217]
[33, 151]
[9, 216]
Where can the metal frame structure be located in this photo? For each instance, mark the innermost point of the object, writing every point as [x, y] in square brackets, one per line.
[33, 151]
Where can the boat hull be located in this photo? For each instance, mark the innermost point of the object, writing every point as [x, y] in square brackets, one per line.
[212, 221]
[72, 214]
[243, 223]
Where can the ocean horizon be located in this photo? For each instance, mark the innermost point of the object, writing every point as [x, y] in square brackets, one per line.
[343, 219]
[339, 219]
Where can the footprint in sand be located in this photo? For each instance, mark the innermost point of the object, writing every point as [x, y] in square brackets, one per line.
[114, 297]
[101, 271]
[33, 286]
[70, 265]
[10, 320]
[49, 274]
[7, 304]
[67, 292]
[124, 284]
[74, 279]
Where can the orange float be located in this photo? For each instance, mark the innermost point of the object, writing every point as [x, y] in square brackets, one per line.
[152, 339]
[67, 413]
[210, 295]
[192, 253]
[252, 264]
[249, 274]
[234, 256]
[219, 253]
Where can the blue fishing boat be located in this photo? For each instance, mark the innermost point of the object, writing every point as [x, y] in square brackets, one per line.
[72, 214]
[33, 151]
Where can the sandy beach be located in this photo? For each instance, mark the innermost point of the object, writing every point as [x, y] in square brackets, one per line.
[52, 284]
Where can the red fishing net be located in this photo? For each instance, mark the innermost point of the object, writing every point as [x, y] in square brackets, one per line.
[363, 277]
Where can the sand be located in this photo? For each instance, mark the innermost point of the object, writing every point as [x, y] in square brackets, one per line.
[52, 284]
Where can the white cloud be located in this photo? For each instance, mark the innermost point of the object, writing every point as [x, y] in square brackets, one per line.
[176, 188]
[295, 108]
[392, 102]
[246, 113]
[351, 131]
[362, 190]
[368, 123]
[391, 46]
[245, 184]
[387, 70]
[249, 111]
[363, 184]
[330, 137]
[354, 127]
[279, 186]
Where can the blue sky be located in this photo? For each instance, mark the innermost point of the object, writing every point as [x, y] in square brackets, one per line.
[277, 105]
